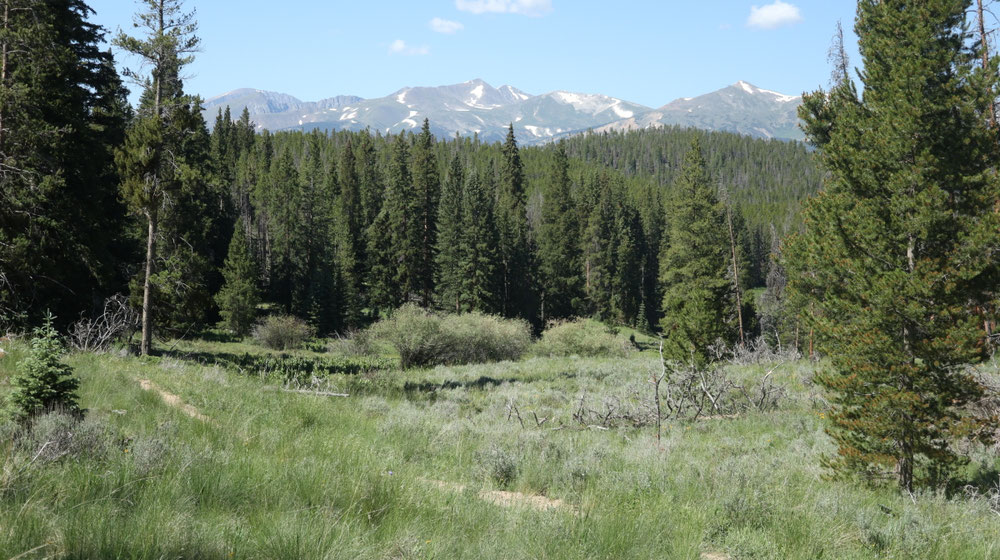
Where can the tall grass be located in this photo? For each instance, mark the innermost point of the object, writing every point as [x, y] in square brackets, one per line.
[284, 475]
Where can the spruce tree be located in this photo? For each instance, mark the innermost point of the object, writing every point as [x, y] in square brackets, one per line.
[239, 296]
[349, 237]
[427, 187]
[599, 250]
[396, 236]
[62, 112]
[479, 264]
[695, 266]
[559, 257]
[626, 282]
[899, 252]
[42, 383]
[450, 248]
[516, 255]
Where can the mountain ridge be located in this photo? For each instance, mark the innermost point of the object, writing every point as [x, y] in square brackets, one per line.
[476, 107]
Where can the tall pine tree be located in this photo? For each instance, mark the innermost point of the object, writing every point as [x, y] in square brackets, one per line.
[559, 260]
[239, 296]
[148, 173]
[695, 266]
[901, 248]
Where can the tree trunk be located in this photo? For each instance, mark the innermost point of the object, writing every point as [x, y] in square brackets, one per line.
[985, 46]
[3, 68]
[147, 285]
[736, 275]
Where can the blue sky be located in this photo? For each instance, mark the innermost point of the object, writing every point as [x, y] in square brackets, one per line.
[648, 52]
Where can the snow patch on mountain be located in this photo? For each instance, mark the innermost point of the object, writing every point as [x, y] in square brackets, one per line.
[623, 113]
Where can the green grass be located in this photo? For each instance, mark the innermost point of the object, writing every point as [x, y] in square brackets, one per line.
[285, 475]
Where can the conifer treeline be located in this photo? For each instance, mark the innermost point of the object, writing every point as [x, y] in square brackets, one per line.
[348, 225]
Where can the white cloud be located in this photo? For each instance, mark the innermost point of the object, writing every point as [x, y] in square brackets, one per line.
[445, 26]
[532, 8]
[399, 46]
[772, 16]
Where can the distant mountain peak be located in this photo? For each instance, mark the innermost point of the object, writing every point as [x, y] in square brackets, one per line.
[753, 90]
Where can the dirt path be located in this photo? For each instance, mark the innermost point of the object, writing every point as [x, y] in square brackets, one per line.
[509, 499]
[173, 400]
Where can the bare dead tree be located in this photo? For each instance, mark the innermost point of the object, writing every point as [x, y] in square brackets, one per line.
[838, 59]
[116, 322]
[736, 269]
[984, 47]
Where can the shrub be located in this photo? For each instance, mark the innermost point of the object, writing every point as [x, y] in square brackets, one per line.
[498, 464]
[57, 434]
[42, 382]
[582, 337]
[425, 338]
[281, 332]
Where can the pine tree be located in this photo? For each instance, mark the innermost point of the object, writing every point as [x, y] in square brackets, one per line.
[239, 296]
[599, 250]
[396, 236]
[349, 237]
[427, 187]
[42, 382]
[283, 202]
[558, 247]
[626, 282]
[900, 248]
[481, 281]
[450, 249]
[62, 111]
[516, 255]
[695, 268]
[654, 231]
[170, 40]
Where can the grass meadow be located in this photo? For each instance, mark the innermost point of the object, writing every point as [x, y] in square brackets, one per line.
[474, 461]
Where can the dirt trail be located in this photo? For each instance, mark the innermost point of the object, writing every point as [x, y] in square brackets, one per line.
[173, 400]
[713, 556]
[509, 499]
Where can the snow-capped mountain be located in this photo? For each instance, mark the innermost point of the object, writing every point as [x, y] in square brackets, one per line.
[476, 107]
[742, 108]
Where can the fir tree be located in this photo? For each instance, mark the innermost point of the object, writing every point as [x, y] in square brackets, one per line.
[900, 248]
[239, 296]
[427, 187]
[598, 250]
[478, 263]
[515, 246]
[695, 267]
[349, 237]
[450, 249]
[42, 382]
[62, 112]
[558, 247]
[397, 235]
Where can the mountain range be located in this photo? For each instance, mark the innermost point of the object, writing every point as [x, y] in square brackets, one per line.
[476, 107]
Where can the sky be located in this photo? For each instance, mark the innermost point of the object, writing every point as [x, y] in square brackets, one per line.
[649, 52]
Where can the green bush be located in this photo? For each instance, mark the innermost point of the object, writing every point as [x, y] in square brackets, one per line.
[425, 338]
[42, 382]
[282, 332]
[582, 337]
